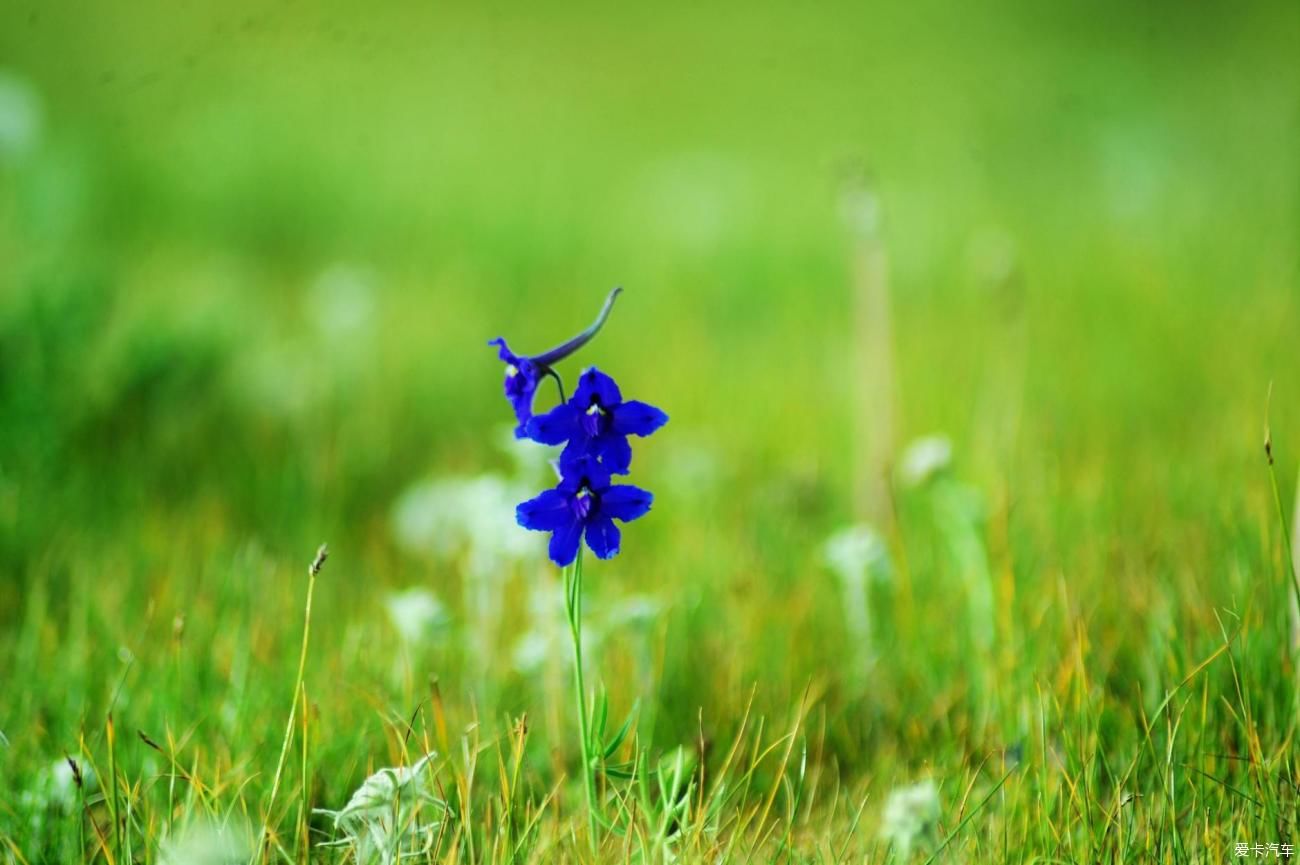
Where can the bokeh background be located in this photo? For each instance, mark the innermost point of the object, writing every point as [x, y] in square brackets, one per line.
[250, 256]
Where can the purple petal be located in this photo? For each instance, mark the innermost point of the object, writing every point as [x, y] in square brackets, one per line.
[625, 502]
[503, 351]
[603, 537]
[595, 386]
[555, 427]
[563, 548]
[580, 468]
[546, 513]
[614, 452]
[637, 418]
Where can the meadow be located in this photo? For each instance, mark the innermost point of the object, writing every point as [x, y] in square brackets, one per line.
[972, 325]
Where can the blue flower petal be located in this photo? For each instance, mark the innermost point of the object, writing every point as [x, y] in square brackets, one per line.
[563, 548]
[614, 452]
[503, 351]
[595, 386]
[625, 502]
[575, 455]
[522, 376]
[603, 537]
[581, 469]
[546, 513]
[637, 418]
[522, 403]
[555, 427]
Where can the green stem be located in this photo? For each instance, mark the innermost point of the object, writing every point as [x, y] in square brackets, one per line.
[1289, 564]
[312, 571]
[573, 606]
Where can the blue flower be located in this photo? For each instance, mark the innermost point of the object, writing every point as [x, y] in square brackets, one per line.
[596, 422]
[522, 377]
[584, 503]
[525, 373]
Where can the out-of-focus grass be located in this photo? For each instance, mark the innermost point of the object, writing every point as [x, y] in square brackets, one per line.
[249, 260]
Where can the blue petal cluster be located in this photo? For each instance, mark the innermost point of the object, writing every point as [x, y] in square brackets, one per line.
[523, 374]
[596, 422]
[593, 425]
[584, 503]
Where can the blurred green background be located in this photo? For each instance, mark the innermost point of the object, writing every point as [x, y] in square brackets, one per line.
[250, 255]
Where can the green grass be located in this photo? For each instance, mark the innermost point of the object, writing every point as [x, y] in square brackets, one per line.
[248, 265]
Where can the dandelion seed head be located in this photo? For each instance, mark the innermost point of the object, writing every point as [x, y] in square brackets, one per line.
[857, 554]
[21, 116]
[207, 843]
[449, 516]
[923, 459]
[416, 614]
[911, 815]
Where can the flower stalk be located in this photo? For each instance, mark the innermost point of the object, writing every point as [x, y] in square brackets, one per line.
[593, 426]
[573, 608]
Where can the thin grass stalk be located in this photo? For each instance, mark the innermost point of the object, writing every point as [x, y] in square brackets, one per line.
[1295, 595]
[312, 571]
[81, 810]
[1291, 565]
[114, 807]
[573, 607]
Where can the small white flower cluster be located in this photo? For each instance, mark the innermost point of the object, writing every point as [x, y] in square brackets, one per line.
[55, 791]
[209, 843]
[417, 614]
[470, 515]
[21, 116]
[546, 641]
[857, 555]
[923, 459]
[911, 815]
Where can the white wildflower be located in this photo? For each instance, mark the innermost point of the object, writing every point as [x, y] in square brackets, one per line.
[923, 459]
[858, 556]
[475, 515]
[416, 614]
[53, 792]
[57, 785]
[206, 843]
[20, 115]
[910, 816]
